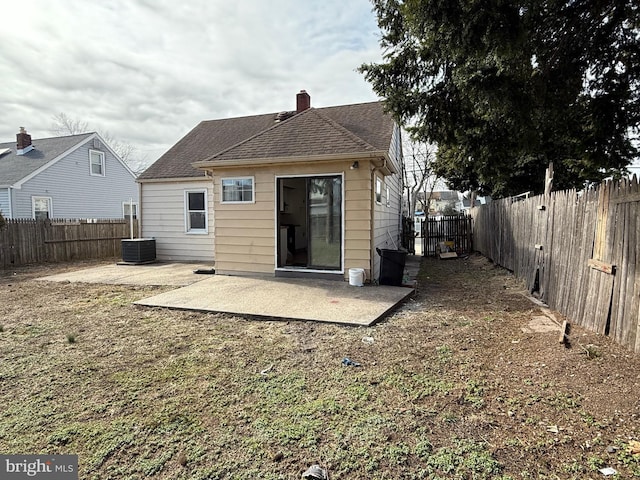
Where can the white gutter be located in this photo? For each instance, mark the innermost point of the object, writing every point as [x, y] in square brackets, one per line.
[334, 157]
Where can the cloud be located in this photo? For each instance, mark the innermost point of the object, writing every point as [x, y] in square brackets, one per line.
[149, 71]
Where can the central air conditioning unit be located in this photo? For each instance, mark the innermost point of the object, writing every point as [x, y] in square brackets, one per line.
[139, 250]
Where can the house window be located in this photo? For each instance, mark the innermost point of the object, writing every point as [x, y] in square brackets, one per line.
[96, 163]
[196, 211]
[129, 209]
[237, 190]
[41, 207]
[378, 190]
[388, 194]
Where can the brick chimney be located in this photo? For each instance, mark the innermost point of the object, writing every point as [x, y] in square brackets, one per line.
[23, 144]
[303, 101]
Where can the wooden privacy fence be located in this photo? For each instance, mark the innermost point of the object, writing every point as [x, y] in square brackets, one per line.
[448, 228]
[34, 241]
[578, 250]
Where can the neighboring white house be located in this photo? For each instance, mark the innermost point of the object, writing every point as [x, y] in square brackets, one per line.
[75, 176]
[309, 192]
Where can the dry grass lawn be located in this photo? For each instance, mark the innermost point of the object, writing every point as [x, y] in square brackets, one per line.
[451, 387]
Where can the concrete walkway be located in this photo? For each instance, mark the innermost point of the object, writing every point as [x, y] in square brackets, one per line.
[157, 274]
[272, 298]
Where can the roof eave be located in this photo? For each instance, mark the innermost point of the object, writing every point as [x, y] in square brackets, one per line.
[333, 157]
[385, 165]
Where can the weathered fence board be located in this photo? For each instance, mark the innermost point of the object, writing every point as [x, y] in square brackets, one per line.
[25, 241]
[577, 250]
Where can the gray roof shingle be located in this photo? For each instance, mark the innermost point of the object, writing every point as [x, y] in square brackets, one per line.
[14, 168]
[343, 129]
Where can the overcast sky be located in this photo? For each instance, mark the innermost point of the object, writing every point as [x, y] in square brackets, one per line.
[147, 71]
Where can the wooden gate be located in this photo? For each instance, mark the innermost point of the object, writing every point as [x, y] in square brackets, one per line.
[447, 228]
[408, 235]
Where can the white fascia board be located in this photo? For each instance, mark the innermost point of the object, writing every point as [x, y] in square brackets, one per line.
[174, 179]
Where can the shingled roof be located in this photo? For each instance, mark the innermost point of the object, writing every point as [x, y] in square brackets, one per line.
[345, 129]
[14, 167]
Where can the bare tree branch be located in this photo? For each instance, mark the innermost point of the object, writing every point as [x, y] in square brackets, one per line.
[419, 173]
[123, 149]
[65, 125]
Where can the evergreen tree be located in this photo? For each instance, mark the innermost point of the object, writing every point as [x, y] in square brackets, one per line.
[505, 86]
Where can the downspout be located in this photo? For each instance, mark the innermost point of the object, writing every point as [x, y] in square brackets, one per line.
[372, 216]
[372, 222]
[140, 235]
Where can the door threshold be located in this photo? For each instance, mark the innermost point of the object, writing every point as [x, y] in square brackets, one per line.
[305, 273]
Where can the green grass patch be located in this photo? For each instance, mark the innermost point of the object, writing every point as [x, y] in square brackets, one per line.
[462, 460]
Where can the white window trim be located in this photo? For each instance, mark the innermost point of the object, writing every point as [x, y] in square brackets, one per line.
[378, 192]
[135, 207]
[229, 202]
[196, 231]
[33, 205]
[388, 194]
[103, 163]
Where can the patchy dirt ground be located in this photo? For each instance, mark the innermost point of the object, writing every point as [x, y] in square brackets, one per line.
[455, 384]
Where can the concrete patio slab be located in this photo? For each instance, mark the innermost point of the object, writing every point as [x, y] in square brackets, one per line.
[177, 274]
[280, 298]
[273, 298]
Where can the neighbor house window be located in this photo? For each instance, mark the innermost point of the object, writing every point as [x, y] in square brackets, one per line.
[237, 190]
[96, 163]
[378, 190]
[41, 207]
[129, 209]
[196, 211]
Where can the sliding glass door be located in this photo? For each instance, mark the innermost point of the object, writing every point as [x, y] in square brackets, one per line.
[324, 200]
[310, 222]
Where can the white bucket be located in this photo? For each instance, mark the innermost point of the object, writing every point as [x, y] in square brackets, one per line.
[356, 277]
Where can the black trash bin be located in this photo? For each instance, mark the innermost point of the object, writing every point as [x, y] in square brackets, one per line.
[391, 266]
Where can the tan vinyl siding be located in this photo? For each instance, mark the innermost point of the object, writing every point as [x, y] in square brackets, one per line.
[245, 233]
[245, 230]
[395, 149]
[358, 219]
[387, 219]
[163, 218]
